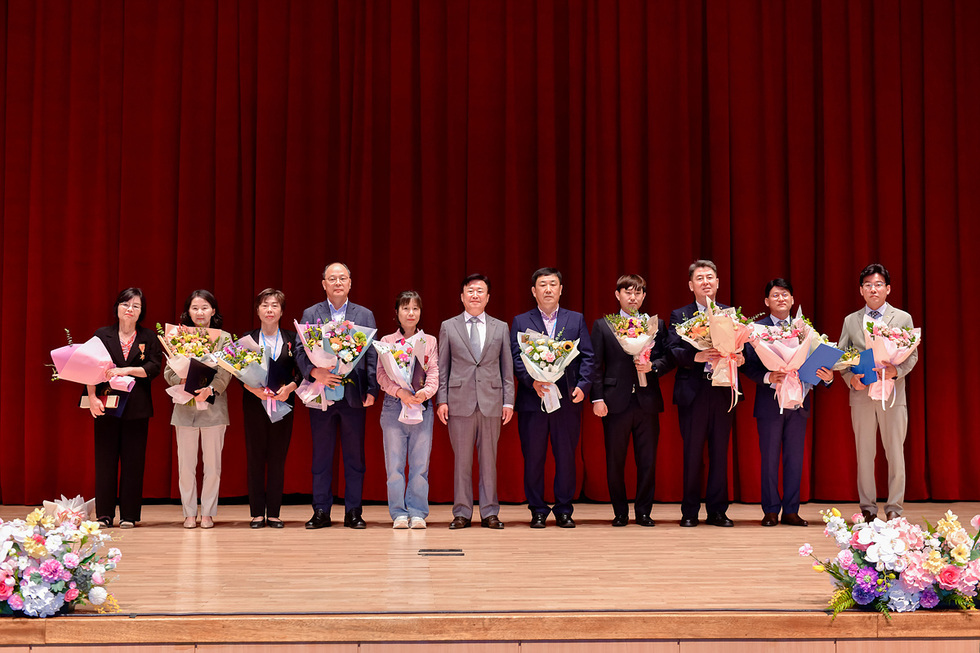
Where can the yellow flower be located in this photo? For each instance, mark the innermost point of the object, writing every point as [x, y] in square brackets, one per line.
[34, 549]
[567, 345]
[934, 563]
[948, 524]
[35, 517]
[89, 527]
[961, 554]
[818, 567]
[835, 512]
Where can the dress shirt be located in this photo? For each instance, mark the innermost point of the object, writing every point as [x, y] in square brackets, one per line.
[550, 321]
[338, 313]
[881, 309]
[481, 327]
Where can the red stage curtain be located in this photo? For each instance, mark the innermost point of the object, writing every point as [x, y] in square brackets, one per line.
[238, 145]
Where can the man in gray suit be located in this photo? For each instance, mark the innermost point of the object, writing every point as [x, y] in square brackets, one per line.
[868, 416]
[475, 396]
[346, 415]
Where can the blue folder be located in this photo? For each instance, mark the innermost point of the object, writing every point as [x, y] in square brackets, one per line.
[866, 366]
[822, 356]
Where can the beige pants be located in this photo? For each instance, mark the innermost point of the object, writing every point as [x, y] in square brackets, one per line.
[868, 418]
[212, 439]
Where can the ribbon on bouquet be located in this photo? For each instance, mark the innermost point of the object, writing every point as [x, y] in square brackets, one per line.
[643, 357]
[551, 401]
[789, 391]
[726, 363]
[883, 388]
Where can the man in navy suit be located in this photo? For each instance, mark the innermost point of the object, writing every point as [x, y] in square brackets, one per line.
[702, 409]
[562, 426]
[627, 407]
[784, 430]
[346, 416]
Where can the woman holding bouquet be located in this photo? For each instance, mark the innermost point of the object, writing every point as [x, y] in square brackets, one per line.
[266, 442]
[120, 434]
[408, 504]
[205, 426]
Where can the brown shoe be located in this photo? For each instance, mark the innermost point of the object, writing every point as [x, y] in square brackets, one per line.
[491, 522]
[891, 514]
[868, 516]
[770, 519]
[794, 519]
[459, 522]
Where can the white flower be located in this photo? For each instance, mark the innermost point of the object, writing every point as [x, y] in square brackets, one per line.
[53, 543]
[901, 598]
[97, 595]
[40, 601]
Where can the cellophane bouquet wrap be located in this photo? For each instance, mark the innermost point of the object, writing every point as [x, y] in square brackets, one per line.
[784, 349]
[181, 344]
[400, 360]
[545, 359]
[87, 364]
[636, 334]
[244, 359]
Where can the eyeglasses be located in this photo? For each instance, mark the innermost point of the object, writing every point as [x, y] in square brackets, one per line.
[342, 279]
[877, 285]
[132, 307]
[478, 292]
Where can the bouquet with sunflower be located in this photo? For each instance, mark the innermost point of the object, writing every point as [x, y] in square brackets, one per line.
[545, 359]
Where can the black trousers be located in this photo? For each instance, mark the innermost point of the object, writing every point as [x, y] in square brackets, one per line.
[120, 458]
[645, 428]
[266, 445]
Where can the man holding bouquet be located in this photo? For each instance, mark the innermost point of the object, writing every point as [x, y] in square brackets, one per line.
[624, 403]
[703, 409]
[781, 432]
[868, 416]
[346, 416]
[562, 425]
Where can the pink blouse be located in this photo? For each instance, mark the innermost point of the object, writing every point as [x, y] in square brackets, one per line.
[431, 361]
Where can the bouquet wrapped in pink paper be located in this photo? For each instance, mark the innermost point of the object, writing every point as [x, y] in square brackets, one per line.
[636, 334]
[727, 332]
[891, 346]
[337, 346]
[402, 362]
[545, 359]
[784, 349]
[87, 364]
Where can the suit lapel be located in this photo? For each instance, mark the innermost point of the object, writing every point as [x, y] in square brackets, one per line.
[464, 335]
[561, 323]
[537, 321]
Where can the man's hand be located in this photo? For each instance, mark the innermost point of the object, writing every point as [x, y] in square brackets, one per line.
[326, 377]
[825, 375]
[643, 367]
[508, 413]
[577, 395]
[706, 355]
[541, 388]
[776, 377]
[856, 382]
[600, 409]
[368, 401]
[889, 372]
[442, 412]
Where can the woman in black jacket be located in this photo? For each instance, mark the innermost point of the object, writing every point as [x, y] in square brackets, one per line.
[120, 433]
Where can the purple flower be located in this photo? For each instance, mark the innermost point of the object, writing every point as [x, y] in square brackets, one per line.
[862, 594]
[867, 577]
[928, 598]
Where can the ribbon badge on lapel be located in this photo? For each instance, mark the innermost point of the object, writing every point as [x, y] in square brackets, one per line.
[142, 351]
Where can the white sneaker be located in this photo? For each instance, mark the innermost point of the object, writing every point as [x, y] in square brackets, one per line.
[400, 522]
[417, 522]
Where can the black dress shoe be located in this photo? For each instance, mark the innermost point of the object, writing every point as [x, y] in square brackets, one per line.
[492, 522]
[794, 519]
[320, 519]
[257, 523]
[891, 514]
[868, 516]
[770, 519]
[689, 522]
[459, 522]
[353, 519]
[564, 520]
[719, 519]
[275, 523]
[621, 520]
[538, 519]
[645, 520]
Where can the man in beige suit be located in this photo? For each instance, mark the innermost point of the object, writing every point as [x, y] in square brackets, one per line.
[868, 416]
[475, 396]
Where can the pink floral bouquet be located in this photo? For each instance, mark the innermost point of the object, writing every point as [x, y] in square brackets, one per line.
[784, 349]
[400, 360]
[337, 346]
[725, 330]
[892, 346]
[636, 334]
[53, 560]
[87, 364]
[181, 344]
[897, 566]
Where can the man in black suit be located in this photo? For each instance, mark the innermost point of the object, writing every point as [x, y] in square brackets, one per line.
[627, 407]
[702, 409]
[780, 432]
[346, 416]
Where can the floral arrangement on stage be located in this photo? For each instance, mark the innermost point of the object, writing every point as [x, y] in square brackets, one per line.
[636, 334]
[53, 561]
[896, 566]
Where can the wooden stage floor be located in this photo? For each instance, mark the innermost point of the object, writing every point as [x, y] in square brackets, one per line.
[594, 582]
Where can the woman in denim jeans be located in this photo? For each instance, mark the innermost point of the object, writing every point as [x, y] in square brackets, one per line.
[408, 504]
